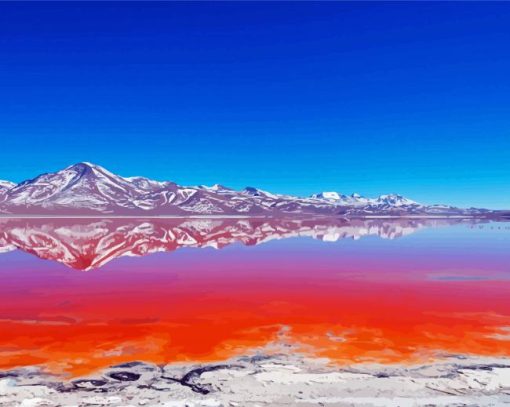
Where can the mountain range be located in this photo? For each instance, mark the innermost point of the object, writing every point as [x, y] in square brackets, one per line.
[86, 189]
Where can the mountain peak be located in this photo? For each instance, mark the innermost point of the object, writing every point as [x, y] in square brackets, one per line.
[395, 200]
[215, 187]
[329, 195]
[6, 184]
[258, 192]
[85, 166]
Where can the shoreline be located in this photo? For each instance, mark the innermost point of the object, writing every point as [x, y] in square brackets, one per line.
[276, 380]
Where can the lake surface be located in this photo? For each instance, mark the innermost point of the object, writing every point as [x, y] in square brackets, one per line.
[77, 295]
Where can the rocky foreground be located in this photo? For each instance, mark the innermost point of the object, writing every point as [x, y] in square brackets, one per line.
[262, 380]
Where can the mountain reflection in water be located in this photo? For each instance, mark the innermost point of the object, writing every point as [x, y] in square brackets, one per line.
[441, 291]
[86, 244]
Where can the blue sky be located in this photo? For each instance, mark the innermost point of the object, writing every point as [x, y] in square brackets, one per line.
[296, 98]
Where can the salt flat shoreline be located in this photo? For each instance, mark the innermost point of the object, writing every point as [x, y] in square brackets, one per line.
[276, 380]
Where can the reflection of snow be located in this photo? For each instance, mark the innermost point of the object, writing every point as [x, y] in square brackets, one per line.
[7, 248]
[84, 245]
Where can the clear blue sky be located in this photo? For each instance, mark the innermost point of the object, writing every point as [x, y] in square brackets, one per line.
[296, 98]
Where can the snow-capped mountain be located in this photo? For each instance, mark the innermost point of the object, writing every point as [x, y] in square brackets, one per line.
[395, 200]
[88, 189]
[355, 200]
[86, 244]
[5, 185]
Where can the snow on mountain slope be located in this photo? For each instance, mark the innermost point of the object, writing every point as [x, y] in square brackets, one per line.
[80, 185]
[146, 184]
[85, 189]
[332, 196]
[5, 185]
[344, 200]
[394, 200]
